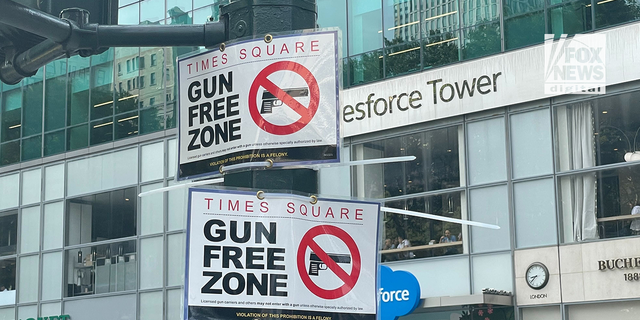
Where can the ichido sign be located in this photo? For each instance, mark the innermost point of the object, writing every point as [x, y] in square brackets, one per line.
[280, 257]
[256, 101]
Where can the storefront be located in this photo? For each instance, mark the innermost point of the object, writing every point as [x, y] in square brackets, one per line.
[555, 172]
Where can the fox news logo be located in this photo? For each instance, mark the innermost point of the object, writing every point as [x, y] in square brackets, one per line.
[575, 65]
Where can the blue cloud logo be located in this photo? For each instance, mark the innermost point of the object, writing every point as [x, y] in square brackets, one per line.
[399, 293]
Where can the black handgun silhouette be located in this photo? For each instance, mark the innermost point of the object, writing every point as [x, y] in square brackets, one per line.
[269, 100]
[316, 264]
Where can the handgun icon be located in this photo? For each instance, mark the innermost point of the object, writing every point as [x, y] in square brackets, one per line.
[316, 264]
[269, 101]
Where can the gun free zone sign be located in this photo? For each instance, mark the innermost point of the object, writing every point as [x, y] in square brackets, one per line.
[258, 100]
[280, 257]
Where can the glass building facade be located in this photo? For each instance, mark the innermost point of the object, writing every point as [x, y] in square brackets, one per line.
[83, 137]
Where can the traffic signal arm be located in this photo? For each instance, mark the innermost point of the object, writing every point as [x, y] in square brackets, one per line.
[72, 34]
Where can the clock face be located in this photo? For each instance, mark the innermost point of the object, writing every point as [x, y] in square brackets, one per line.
[537, 276]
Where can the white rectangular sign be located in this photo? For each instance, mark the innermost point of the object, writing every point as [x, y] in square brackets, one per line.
[254, 258]
[496, 81]
[257, 100]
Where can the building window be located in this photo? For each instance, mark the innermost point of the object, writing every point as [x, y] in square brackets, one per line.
[437, 170]
[599, 203]
[128, 66]
[119, 68]
[106, 267]
[152, 101]
[8, 232]
[7, 281]
[152, 78]
[128, 85]
[100, 217]
[153, 59]
[101, 268]
[141, 62]
[142, 82]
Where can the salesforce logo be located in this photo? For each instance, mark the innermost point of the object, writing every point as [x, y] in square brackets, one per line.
[399, 293]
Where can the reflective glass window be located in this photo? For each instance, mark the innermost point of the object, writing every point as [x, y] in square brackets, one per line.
[401, 21]
[518, 7]
[569, 18]
[28, 279]
[475, 12]
[78, 90]
[10, 152]
[489, 205]
[9, 189]
[32, 148]
[598, 132]
[492, 271]
[535, 213]
[153, 11]
[481, 41]
[365, 68]
[30, 230]
[54, 142]
[407, 237]
[151, 268]
[441, 50]
[31, 186]
[78, 137]
[152, 213]
[33, 102]
[102, 216]
[101, 269]
[439, 17]
[53, 222]
[8, 280]
[54, 182]
[402, 58]
[487, 152]
[9, 230]
[531, 143]
[365, 25]
[51, 275]
[332, 13]
[10, 116]
[437, 164]
[174, 306]
[524, 30]
[599, 205]
[175, 259]
[614, 12]
[151, 305]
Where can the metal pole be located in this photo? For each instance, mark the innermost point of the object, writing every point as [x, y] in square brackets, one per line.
[258, 17]
[34, 21]
[206, 35]
[26, 64]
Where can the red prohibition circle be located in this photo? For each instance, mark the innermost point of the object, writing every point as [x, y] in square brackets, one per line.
[348, 279]
[306, 113]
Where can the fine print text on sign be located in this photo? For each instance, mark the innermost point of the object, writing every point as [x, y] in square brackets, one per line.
[280, 258]
[256, 101]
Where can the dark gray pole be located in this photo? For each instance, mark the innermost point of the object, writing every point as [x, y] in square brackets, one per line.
[259, 17]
